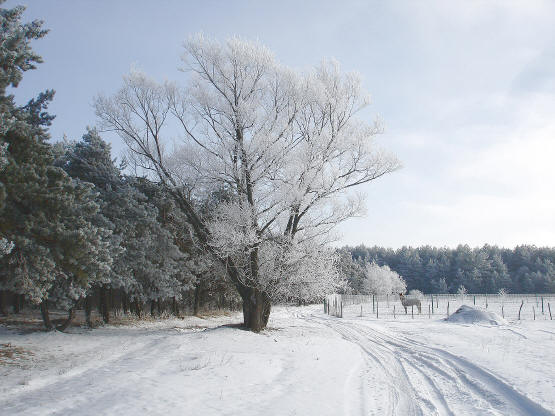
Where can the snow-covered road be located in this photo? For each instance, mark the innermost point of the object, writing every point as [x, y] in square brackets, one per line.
[423, 380]
[306, 363]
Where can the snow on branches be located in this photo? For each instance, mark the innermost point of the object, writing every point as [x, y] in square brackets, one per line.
[286, 147]
[381, 280]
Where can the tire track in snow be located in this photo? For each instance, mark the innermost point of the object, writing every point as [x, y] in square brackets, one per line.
[476, 378]
[453, 384]
[401, 396]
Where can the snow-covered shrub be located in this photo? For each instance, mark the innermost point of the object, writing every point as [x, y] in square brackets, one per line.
[461, 291]
[416, 294]
[5, 246]
[381, 280]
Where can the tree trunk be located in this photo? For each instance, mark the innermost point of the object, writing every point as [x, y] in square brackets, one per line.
[196, 303]
[88, 310]
[152, 307]
[115, 301]
[125, 303]
[45, 314]
[175, 307]
[159, 305]
[256, 309]
[65, 324]
[105, 303]
[137, 308]
[4, 302]
[18, 301]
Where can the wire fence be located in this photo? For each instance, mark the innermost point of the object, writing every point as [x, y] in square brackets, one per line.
[511, 306]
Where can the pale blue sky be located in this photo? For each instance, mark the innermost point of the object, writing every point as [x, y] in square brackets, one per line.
[466, 90]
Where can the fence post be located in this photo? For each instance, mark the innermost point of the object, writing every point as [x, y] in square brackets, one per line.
[519, 309]
[429, 310]
[432, 296]
[542, 305]
[534, 310]
[341, 309]
[549, 307]
[377, 309]
[474, 299]
[373, 304]
[361, 310]
[412, 311]
[486, 301]
[502, 312]
[448, 309]
[437, 302]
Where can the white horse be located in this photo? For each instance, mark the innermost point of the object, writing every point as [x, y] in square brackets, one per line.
[410, 302]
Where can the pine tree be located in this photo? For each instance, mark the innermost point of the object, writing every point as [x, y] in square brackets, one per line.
[45, 214]
[147, 262]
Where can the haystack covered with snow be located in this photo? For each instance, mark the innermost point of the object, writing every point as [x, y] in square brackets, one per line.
[469, 315]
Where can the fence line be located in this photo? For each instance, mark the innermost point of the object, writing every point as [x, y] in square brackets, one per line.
[511, 306]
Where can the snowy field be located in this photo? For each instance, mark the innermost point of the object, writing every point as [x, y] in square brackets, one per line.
[305, 363]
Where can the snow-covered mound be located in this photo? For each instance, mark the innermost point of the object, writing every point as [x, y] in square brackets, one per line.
[469, 315]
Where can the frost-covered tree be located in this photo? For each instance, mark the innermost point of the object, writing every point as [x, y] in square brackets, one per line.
[416, 294]
[440, 285]
[146, 260]
[462, 291]
[5, 245]
[45, 214]
[161, 269]
[381, 280]
[352, 271]
[286, 146]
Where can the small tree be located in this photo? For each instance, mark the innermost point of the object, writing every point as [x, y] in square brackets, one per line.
[461, 291]
[503, 294]
[382, 281]
[416, 294]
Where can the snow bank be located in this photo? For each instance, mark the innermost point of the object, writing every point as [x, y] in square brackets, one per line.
[469, 315]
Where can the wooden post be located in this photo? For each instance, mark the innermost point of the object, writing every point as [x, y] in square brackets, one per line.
[432, 303]
[519, 309]
[429, 312]
[448, 309]
[437, 302]
[377, 309]
[373, 304]
[393, 311]
[486, 301]
[549, 307]
[502, 312]
[341, 308]
[361, 310]
[534, 310]
[542, 305]
[474, 299]
[412, 311]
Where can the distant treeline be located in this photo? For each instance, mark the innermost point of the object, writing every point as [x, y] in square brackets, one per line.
[487, 269]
